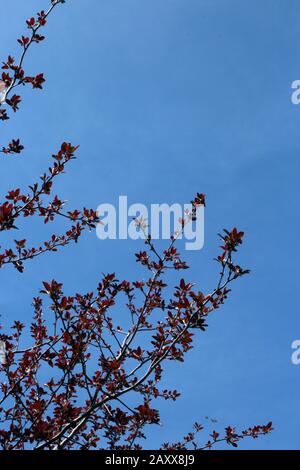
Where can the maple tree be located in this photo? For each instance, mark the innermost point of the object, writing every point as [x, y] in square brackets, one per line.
[93, 362]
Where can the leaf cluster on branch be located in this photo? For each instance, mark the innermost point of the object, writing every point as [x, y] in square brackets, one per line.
[92, 372]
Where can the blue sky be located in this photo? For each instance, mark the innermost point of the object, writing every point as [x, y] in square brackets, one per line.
[167, 98]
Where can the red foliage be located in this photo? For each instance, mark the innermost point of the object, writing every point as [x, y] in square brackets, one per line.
[70, 388]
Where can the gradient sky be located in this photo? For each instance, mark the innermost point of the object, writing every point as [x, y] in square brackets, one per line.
[167, 98]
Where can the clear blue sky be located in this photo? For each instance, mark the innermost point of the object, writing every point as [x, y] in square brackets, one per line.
[167, 98]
